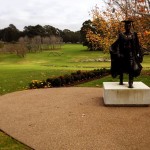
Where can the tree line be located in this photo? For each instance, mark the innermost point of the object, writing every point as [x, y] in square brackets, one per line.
[12, 34]
[35, 39]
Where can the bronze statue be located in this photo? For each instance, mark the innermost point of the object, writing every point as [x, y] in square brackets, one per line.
[126, 55]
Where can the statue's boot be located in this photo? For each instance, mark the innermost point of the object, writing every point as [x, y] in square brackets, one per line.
[121, 79]
[121, 83]
[131, 84]
[130, 81]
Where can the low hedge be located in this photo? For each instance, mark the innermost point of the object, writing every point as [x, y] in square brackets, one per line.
[69, 80]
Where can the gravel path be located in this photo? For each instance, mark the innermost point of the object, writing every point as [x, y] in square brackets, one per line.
[73, 119]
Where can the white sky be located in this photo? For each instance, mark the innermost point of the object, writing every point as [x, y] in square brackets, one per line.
[62, 14]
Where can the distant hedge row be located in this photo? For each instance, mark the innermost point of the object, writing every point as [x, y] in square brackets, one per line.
[68, 80]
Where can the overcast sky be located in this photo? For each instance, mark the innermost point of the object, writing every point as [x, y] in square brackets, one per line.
[62, 14]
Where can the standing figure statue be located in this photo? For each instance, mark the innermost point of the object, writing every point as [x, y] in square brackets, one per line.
[126, 55]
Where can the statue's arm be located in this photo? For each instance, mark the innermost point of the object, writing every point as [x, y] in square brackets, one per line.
[114, 47]
[139, 50]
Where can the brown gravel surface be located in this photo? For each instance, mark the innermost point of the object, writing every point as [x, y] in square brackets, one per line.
[73, 119]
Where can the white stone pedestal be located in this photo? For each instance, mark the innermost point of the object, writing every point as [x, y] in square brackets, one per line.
[115, 94]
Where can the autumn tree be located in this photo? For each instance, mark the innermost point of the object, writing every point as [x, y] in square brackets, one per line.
[109, 21]
[130, 7]
[139, 12]
[99, 32]
[91, 35]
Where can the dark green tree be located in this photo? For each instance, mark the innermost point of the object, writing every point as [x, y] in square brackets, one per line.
[70, 36]
[32, 31]
[50, 30]
[87, 25]
[9, 34]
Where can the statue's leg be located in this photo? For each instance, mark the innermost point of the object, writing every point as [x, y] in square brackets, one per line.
[121, 79]
[131, 62]
[130, 80]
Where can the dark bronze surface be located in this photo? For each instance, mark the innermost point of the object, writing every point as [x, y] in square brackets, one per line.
[126, 55]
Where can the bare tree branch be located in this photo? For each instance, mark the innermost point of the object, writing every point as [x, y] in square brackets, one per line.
[127, 5]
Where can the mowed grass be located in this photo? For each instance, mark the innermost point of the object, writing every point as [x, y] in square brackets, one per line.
[16, 72]
[8, 143]
[145, 78]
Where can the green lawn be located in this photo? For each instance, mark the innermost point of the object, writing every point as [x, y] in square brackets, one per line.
[7, 143]
[99, 82]
[16, 72]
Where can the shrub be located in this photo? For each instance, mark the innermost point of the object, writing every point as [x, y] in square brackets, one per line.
[83, 77]
[56, 82]
[76, 77]
[85, 74]
[37, 84]
[65, 80]
[79, 72]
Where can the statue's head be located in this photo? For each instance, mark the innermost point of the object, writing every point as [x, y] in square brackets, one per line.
[127, 25]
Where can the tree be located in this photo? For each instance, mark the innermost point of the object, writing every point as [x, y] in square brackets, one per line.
[112, 25]
[9, 34]
[77, 37]
[20, 47]
[139, 11]
[130, 7]
[50, 30]
[91, 36]
[32, 31]
[70, 36]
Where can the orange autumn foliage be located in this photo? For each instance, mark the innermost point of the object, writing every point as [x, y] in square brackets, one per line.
[109, 23]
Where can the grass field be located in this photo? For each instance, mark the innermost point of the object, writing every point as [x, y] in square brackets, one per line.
[7, 143]
[16, 72]
[99, 82]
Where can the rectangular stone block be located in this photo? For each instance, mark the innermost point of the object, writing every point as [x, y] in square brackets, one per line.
[115, 94]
